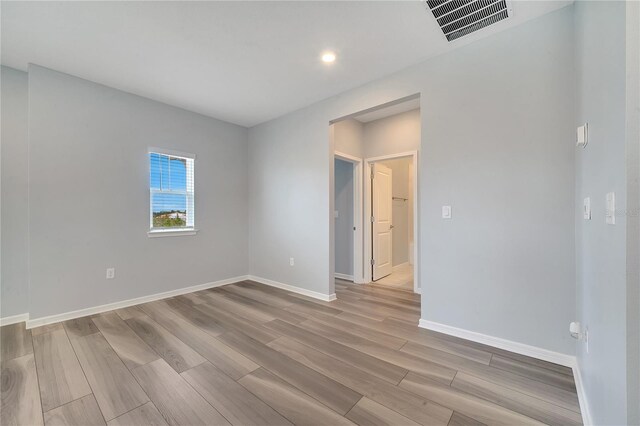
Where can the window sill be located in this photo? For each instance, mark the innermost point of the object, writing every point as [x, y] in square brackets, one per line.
[171, 232]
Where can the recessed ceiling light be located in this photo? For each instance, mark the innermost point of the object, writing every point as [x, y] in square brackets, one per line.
[328, 57]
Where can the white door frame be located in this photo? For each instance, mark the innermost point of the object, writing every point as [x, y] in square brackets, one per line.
[358, 261]
[367, 214]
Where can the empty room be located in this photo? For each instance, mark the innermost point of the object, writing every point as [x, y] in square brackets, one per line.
[420, 212]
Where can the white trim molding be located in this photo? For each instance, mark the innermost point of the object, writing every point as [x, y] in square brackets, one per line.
[401, 265]
[497, 342]
[522, 349]
[293, 289]
[582, 396]
[37, 322]
[344, 276]
[347, 157]
[13, 319]
[155, 233]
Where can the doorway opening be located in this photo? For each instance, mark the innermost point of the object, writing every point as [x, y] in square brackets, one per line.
[374, 213]
[348, 217]
[390, 195]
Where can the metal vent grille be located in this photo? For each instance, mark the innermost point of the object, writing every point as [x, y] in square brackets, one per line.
[458, 18]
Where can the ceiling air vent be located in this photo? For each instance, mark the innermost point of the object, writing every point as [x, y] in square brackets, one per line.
[458, 18]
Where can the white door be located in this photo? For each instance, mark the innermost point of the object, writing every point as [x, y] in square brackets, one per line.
[382, 215]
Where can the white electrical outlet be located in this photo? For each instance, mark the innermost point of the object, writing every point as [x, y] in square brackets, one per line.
[111, 273]
[291, 261]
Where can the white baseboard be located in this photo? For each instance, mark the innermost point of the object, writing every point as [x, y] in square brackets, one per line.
[293, 289]
[497, 342]
[37, 322]
[582, 396]
[401, 265]
[522, 349]
[344, 276]
[14, 319]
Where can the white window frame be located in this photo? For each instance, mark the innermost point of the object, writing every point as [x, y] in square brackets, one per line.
[190, 194]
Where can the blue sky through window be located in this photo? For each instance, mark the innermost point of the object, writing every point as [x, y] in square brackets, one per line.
[168, 174]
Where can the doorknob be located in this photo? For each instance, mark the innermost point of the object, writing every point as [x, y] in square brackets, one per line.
[390, 226]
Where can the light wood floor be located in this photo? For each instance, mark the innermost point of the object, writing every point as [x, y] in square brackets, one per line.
[247, 354]
[401, 278]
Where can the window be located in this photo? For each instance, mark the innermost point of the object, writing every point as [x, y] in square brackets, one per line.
[171, 191]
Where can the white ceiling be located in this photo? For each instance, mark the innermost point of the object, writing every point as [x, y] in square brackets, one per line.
[243, 62]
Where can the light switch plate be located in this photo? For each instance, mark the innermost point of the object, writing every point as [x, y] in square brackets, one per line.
[446, 212]
[586, 211]
[582, 137]
[611, 208]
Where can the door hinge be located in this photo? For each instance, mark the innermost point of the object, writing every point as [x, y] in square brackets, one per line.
[373, 219]
[373, 262]
[372, 175]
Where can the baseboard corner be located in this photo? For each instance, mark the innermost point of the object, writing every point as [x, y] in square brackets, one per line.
[345, 277]
[14, 319]
[585, 409]
[500, 343]
[293, 289]
[401, 265]
[522, 349]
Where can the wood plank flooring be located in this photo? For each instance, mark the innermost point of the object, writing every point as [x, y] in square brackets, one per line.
[249, 354]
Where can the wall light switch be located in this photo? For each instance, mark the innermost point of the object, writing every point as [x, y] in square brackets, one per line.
[446, 212]
[111, 273]
[611, 208]
[582, 135]
[587, 209]
[335, 214]
[291, 261]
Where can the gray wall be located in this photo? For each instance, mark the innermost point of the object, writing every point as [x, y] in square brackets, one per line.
[633, 204]
[392, 135]
[344, 221]
[89, 196]
[14, 279]
[348, 137]
[601, 264]
[496, 143]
